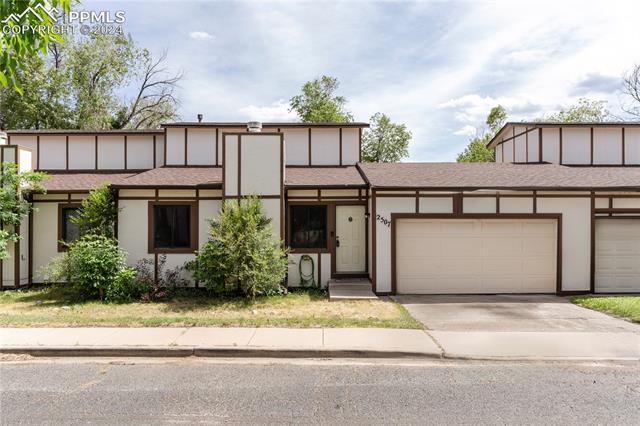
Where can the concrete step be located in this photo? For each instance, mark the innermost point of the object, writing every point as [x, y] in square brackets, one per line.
[350, 289]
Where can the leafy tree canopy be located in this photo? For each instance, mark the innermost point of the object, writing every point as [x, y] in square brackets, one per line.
[318, 103]
[79, 84]
[584, 110]
[385, 141]
[98, 213]
[21, 45]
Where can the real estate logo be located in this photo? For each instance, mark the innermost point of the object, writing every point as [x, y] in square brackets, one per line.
[84, 21]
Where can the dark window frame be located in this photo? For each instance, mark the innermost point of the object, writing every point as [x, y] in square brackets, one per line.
[193, 225]
[62, 226]
[328, 231]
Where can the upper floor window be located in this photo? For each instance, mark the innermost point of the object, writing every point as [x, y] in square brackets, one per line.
[172, 227]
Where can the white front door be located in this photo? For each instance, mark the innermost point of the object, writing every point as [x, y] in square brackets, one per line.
[350, 239]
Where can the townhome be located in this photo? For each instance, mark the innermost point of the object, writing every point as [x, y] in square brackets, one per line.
[557, 212]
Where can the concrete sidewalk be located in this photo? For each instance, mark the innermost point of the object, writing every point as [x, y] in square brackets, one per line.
[319, 342]
[211, 341]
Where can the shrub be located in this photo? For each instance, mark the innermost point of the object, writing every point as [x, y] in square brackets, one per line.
[94, 267]
[98, 213]
[242, 256]
[165, 284]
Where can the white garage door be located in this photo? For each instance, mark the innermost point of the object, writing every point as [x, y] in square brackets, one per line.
[617, 255]
[440, 256]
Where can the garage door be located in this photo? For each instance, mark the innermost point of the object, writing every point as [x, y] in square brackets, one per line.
[617, 255]
[440, 256]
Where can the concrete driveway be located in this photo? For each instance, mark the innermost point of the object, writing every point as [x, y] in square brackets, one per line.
[509, 313]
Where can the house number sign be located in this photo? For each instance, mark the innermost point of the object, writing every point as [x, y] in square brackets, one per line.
[383, 220]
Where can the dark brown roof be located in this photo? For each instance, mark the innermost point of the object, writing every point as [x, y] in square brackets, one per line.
[327, 177]
[175, 177]
[81, 181]
[499, 176]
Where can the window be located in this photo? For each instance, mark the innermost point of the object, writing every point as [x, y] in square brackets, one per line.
[309, 227]
[172, 227]
[68, 231]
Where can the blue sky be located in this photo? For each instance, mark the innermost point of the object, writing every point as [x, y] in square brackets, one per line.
[438, 67]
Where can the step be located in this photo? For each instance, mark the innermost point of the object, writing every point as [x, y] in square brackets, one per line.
[350, 289]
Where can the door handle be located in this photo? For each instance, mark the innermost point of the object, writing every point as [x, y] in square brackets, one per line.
[337, 242]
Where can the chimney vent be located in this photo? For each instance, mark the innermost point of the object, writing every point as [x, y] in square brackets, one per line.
[199, 118]
[254, 127]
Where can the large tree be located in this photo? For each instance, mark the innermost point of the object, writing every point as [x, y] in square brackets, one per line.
[18, 46]
[318, 102]
[79, 84]
[385, 141]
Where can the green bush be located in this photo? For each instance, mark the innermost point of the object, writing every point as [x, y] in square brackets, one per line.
[242, 256]
[124, 287]
[98, 213]
[94, 266]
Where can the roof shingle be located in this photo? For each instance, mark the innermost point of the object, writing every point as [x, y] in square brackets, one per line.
[318, 177]
[499, 175]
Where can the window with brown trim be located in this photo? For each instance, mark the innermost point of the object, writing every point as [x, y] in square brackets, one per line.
[172, 227]
[68, 231]
[308, 227]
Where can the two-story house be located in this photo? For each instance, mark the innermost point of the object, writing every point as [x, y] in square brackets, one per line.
[557, 212]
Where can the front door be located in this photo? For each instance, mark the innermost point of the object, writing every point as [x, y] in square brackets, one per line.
[350, 239]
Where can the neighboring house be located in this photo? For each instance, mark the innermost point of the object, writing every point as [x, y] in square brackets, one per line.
[558, 212]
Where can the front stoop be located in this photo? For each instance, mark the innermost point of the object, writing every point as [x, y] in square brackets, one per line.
[350, 289]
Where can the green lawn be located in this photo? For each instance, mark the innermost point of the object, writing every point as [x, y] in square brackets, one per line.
[622, 306]
[55, 306]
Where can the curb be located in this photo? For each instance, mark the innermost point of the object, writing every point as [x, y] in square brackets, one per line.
[204, 352]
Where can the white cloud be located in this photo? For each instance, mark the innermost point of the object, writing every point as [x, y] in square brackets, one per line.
[200, 35]
[277, 111]
[466, 131]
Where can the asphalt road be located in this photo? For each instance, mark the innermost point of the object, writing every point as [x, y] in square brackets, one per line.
[304, 392]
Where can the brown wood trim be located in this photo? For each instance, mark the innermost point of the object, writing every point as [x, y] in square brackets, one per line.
[224, 168]
[186, 145]
[535, 202]
[417, 201]
[340, 137]
[194, 226]
[155, 148]
[540, 145]
[16, 260]
[309, 145]
[95, 148]
[217, 141]
[560, 145]
[331, 240]
[282, 193]
[591, 146]
[502, 152]
[396, 216]
[61, 206]
[164, 148]
[374, 226]
[360, 144]
[125, 151]
[592, 273]
[38, 152]
[239, 164]
[624, 147]
[116, 200]
[458, 207]
[66, 144]
[513, 143]
[526, 151]
[30, 247]
[618, 210]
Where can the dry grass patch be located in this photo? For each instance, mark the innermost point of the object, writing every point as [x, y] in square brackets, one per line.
[55, 306]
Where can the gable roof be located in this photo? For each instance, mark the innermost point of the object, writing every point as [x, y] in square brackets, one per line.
[473, 176]
[540, 124]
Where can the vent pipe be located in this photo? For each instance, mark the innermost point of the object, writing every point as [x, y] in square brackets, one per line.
[199, 118]
[254, 127]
